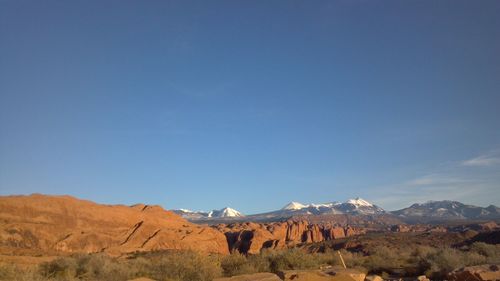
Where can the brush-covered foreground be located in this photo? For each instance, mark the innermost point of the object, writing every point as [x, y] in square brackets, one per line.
[434, 262]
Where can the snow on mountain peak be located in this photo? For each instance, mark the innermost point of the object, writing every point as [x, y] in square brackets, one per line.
[358, 202]
[294, 206]
[229, 212]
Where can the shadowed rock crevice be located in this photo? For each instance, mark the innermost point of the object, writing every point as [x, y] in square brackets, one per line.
[149, 238]
[134, 230]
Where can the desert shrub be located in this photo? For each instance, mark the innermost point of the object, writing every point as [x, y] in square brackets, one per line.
[64, 268]
[383, 259]
[292, 259]
[183, 265]
[102, 267]
[6, 271]
[491, 252]
[261, 262]
[236, 264]
[87, 267]
[351, 259]
[274, 261]
[443, 261]
[187, 265]
[419, 259]
[160, 266]
[15, 273]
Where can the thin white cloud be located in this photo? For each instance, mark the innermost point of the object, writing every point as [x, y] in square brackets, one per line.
[434, 179]
[454, 180]
[482, 160]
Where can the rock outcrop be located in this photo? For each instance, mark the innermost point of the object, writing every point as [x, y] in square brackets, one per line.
[476, 273]
[251, 238]
[373, 278]
[40, 224]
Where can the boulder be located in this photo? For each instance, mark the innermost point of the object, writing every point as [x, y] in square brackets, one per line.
[373, 278]
[264, 276]
[485, 272]
[423, 278]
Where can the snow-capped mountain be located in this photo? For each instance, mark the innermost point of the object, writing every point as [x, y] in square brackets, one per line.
[447, 210]
[201, 215]
[351, 206]
[294, 206]
[430, 211]
[225, 213]
[359, 202]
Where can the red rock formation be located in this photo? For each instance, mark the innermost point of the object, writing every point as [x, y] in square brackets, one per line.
[336, 232]
[51, 224]
[296, 231]
[251, 238]
[317, 233]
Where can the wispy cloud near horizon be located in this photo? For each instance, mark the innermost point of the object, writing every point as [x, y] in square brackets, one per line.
[434, 179]
[489, 159]
[456, 181]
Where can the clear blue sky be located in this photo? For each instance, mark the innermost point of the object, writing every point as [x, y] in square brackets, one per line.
[251, 104]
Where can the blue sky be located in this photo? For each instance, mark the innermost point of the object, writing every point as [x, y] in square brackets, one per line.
[251, 104]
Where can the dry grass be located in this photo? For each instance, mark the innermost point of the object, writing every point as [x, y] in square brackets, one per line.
[186, 265]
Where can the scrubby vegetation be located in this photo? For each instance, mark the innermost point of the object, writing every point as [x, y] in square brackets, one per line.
[434, 262]
[174, 265]
[165, 265]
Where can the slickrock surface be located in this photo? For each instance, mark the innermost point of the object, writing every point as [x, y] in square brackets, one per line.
[40, 224]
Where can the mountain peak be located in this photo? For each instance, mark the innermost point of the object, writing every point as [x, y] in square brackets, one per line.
[359, 202]
[294, 206]
[228, 212]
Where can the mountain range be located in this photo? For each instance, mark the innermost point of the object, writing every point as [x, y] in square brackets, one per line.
[432, 210]
[197, 215]
[447, 210]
